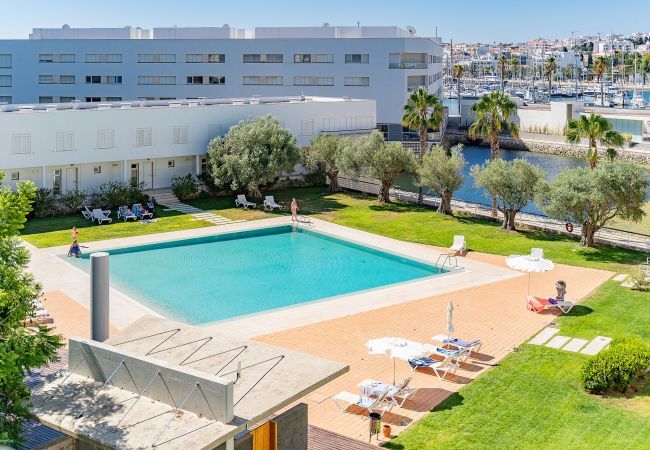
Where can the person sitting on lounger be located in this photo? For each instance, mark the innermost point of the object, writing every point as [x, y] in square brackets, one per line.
[75, 250]
[150, 205]
[560, 287]
[138, 210]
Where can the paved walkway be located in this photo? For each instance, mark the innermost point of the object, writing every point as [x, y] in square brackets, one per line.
[495, 313]
[169, 201]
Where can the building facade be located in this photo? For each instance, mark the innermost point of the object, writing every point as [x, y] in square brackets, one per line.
[108, 65]
[66, 147]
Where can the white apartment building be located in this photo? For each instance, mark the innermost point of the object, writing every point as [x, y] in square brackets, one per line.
[122, 64]
[80, 146]
[614, 45]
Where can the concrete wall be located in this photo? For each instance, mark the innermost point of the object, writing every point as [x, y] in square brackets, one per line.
[292, 428]
[550, 119]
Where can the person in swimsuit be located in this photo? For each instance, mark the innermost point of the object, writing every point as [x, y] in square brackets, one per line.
[294, 210]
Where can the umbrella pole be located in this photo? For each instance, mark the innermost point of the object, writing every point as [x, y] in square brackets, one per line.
[528, 290]
[394, 363]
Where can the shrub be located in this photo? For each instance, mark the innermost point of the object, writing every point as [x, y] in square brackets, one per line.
[640, 281]
[617, 367]
[118, 193]
[44, 203]
[71, 202]
[185, 187]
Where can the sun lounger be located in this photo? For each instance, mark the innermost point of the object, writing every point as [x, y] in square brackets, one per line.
[370, 404]
[457, 354]
[536, 304]
[563, 305]
[472, 346]
[537, 253]
[270, 204]
[101, 217]
[87, 213]
[125, 214]
[440, 368]
[459, 246]
[140, 212]
[241, 201]
[376, 388]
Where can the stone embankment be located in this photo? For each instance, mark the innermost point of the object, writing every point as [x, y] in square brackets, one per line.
[548, 144]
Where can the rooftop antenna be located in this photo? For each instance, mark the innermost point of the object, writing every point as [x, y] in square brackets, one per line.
[358, 23]
[436, 30]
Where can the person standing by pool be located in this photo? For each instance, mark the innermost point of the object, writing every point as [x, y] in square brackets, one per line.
[294, 209]
[74, 250]
[75, 233]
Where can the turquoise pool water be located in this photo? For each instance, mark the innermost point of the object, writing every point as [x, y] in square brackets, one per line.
[212, 278]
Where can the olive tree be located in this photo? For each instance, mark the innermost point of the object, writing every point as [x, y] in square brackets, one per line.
[442, 174]
[252, 154]
[513, 184]
[372, 157]
[594, 197]
[21, 349]
[325, 153]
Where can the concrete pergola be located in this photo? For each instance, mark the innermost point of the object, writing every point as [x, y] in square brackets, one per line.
[160, 383]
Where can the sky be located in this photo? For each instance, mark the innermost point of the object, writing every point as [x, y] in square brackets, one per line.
[475, 21]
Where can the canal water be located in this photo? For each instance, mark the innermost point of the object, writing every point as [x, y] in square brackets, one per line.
[552, 164]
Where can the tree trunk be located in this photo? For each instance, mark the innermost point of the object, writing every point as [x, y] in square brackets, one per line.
[509, 220]
[256, 193]
[384, 192]
[445, 204]
[458, 90]
[334, 181]
[550, 87]
[494, 154]
[423, 148]
[602, 98]
[588, 232]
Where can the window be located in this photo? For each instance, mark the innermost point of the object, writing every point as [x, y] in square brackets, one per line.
[179, 135]
[92, 99]
[216, 80]
[263, 80]
[195, 79]
[5, 61]
[313, 58]
[105, 139]
[204, 165]
[356, 58]
[21, 144]
[5, 80]
[205, 58]
[114, 79]
[93, 79]
[313, 81]
[45, 99]
[156, 80]
[103, 58]
[113, 99]
[56, 181]
[56, 58]
[171, 164]
[263, 58]
[15, 176]
[5, 99]
[97, 170]
[156, 58]
[66, 99]
[45, 79]
[64, 141]
[356, 81]
[307, 127]
[143, 137]
[66, 79]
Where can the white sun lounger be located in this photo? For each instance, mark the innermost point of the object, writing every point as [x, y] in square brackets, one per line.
[125, 214]
[144, 213]
[241, 201]
[370, 404]
[101, 217]
[459, 246]
[401, 391]
[458, 354]
[440, 368]
[472, 346]
[537, 253]
[270, 203]
[87, 213]
[563, 305]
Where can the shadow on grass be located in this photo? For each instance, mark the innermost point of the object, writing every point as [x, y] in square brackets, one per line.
[579, 310]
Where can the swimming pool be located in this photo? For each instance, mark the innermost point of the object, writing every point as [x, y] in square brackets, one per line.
[212, 278]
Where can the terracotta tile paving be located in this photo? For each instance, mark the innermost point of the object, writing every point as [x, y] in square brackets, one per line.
[70, 318]
[494, 313]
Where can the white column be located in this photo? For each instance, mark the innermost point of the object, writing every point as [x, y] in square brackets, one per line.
[197, 161]
[43, 177]
[125, 171]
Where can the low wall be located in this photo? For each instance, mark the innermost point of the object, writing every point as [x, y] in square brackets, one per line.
[539, 143]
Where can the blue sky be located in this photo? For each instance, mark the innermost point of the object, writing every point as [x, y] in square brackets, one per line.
[474, 21]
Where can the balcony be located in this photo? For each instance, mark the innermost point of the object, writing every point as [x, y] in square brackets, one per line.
[408, 65]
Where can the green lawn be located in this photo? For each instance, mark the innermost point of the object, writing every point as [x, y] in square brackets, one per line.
[533, 398]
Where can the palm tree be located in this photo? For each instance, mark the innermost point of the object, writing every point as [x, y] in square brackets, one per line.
[493, 113]
[458, 74]
[549, 69]
[596, 129]
[514, 63]
[422, 112]
[503, 61]
[600, 68]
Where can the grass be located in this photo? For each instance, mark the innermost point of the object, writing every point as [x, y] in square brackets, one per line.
[533, 398]
[642, 227]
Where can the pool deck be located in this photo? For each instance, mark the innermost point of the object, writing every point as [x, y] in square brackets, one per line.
[488, 299]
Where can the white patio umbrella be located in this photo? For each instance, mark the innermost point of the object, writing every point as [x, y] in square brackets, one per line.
[530, 263]
[450, 314]
[396, 348]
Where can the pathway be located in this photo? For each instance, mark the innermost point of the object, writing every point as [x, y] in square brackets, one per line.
[548, 336]
[172, 203]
